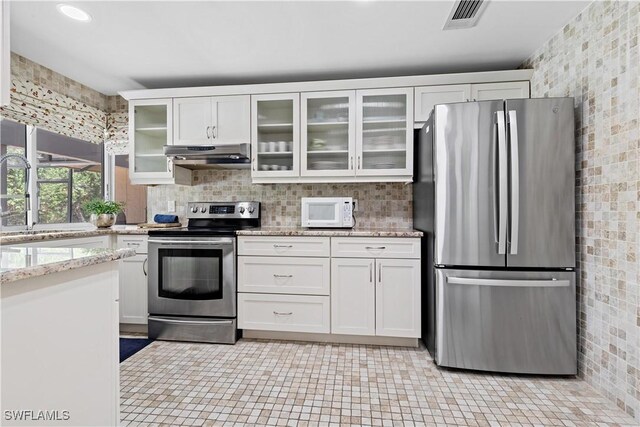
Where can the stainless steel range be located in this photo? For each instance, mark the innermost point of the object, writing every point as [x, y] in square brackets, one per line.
[192, 273]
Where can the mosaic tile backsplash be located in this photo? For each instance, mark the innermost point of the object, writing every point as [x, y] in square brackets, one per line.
[381, 205]
[596, 60]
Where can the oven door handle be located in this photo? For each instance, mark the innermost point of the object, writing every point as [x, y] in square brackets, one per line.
[193, 242]
[193, 322]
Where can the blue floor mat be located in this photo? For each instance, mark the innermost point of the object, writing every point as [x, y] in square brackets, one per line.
[130, 346]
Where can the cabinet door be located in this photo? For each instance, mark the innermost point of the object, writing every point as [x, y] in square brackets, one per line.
[232, 119]
[505, 90]
[275, 135]
[192, 119]
[352, 296]
[428, 96]
[150, 129]
[328, 133]
[384, 133]
[398, 298]
[133, 290]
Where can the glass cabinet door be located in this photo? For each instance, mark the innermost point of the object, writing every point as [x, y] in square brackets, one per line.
[275, 136]
[385, 132]
[328, 131]
[150, 125]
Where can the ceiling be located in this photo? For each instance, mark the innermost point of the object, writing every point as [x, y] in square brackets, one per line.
[155, 44]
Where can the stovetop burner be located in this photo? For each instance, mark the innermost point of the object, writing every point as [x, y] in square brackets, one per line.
[216, 219]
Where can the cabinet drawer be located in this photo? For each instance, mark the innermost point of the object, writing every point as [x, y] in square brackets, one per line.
[284, 275]
[284, 246]
[288, 313]
[139, 243]
[372, 247]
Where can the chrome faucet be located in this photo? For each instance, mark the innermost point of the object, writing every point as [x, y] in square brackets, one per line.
[27, 196]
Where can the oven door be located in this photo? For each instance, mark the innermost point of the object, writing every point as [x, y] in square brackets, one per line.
[192, 276]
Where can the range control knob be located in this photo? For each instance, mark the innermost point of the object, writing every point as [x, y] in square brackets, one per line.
[194, 209]
[241, 210]
[251, 209]
[203, 209]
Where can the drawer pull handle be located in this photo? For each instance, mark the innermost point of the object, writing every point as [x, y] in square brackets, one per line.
[280, 276]
[282, 246]
[277, 313]
[375, 247]
[133, 244]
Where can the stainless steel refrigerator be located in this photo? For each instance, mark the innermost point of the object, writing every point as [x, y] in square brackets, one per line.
[494, 194]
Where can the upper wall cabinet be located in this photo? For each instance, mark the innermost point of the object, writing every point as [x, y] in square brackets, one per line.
[428, 96]
[328, 122]
[384, 135]
[150, 129]
[275, 135]
[211, 120]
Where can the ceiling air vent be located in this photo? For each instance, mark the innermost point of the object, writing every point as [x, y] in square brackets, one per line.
[465, 14]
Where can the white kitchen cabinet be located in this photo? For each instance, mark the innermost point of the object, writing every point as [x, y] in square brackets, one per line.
[133, 280]
[384, 132]
[295, 246]
[428, 96]
[353, 296]
[328, 126]
[375, 297]
[500, 90]
[398, 298]
[375, 247]
[275, 135]
[133, 290]
[150, 129]
[284, 275]
[284, 313]
[211, 120]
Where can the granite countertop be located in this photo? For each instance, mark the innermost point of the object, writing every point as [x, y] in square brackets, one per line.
[15, 237]
[24, 263]
[335, 232]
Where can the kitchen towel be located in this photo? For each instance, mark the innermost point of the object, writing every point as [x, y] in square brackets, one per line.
[165, 219]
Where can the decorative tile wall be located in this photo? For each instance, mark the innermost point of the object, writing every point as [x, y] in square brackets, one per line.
[596, 60]
[381, 205]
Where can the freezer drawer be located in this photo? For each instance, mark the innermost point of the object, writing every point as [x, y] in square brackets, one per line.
[506, 321]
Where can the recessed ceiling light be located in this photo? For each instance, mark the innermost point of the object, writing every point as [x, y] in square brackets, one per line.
[73, 12]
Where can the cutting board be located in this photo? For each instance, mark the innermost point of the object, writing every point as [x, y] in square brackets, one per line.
[154, 225]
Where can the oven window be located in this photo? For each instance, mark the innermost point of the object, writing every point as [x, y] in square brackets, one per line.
[190, 274]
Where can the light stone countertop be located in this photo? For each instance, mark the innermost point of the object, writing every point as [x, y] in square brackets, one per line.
[330, 232]
[15, 237]
[18, 263]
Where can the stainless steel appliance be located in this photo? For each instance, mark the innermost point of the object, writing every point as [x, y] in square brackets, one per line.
[192, 273]
[494, 193]
[327, 212]
[223, 156]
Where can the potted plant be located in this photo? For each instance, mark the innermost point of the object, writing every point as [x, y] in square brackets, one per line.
[103, 212]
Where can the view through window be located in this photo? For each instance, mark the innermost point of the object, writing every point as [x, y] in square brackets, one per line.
[68, 173]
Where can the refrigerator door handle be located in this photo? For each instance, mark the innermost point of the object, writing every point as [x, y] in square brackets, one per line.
[515, 182]
[503, 171]
[547, 283]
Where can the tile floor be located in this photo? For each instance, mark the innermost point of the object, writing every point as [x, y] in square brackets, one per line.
[287, 383]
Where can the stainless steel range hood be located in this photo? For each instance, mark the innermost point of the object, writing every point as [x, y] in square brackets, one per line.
[224, 156]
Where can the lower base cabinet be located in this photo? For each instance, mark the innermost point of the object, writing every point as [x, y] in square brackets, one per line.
[133, 290]
[375, 297]
[286, 313]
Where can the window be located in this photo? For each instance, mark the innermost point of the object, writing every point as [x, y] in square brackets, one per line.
[134, 197]
[66, 173]
[69, 174]
[13, 178]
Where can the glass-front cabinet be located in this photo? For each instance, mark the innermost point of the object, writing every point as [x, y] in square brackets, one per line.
[150, 129]
[384, 141]
[275, 135]
[328, 133]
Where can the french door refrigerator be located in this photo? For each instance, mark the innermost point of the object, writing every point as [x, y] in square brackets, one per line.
[494, 192]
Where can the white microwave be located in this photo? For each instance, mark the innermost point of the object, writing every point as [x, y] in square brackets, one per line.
[327, 212]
